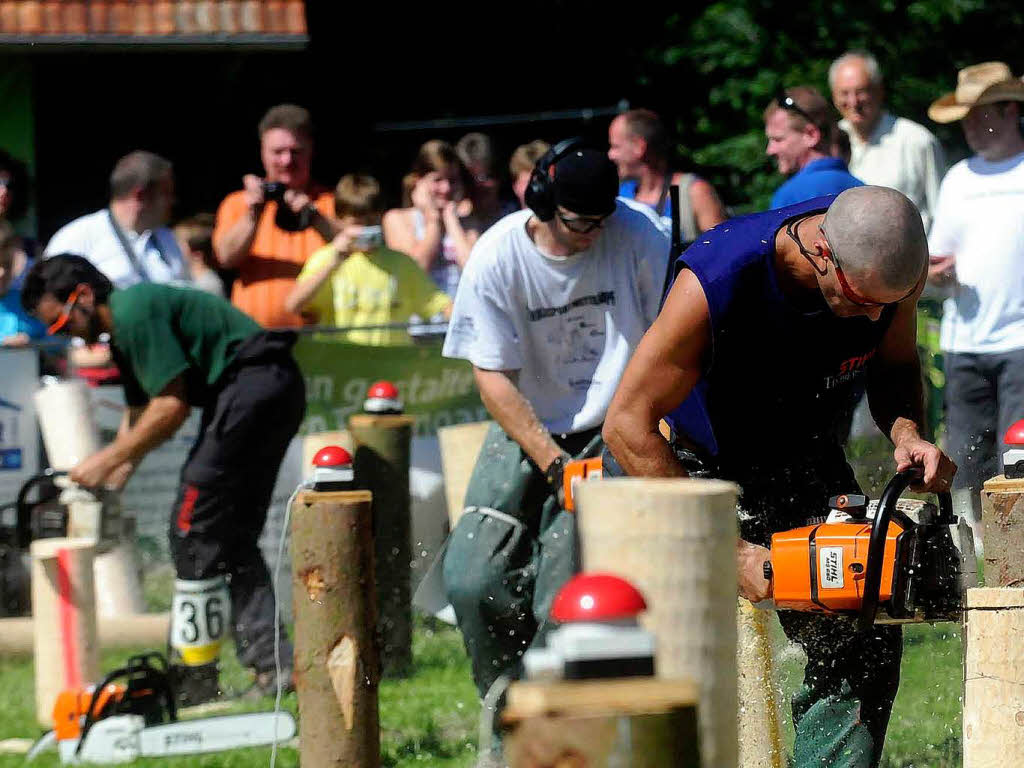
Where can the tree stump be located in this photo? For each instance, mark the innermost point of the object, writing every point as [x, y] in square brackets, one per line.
[66, 646]
[381, 463]
[336, 660]
[1002, 513]
[675, 540]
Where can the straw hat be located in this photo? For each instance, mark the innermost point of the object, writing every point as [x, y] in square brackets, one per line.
[978, 84]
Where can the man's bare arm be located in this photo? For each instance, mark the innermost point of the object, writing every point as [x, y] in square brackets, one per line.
[233, 246]
[896, 398]
[501, 396]
[158, 421]
[664, 369]
[707, 207]
[894, 386]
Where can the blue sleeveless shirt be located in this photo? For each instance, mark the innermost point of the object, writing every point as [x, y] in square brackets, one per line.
[778, 380]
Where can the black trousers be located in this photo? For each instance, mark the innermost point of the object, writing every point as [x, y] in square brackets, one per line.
[984, 398]
[226, 485]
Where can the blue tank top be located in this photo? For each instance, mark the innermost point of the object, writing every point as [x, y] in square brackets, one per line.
[779, 379]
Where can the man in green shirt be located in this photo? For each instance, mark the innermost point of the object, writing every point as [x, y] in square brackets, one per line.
[177, 348]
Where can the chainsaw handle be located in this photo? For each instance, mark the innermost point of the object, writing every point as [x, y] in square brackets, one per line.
[23, 509]
[876, 548]
[879, 531]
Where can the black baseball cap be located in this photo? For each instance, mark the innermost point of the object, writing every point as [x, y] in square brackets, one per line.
[586, 182]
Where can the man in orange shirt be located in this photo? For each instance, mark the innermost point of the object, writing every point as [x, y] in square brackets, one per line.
[268, 229]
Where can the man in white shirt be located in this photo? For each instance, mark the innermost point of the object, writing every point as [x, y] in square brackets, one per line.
[553, 301]
[885, 150]
[977, 258]
[129, 241]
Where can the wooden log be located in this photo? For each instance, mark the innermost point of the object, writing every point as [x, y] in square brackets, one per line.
[642, 723]
[336, 663]
[142, 630]
[758, 732]
[381, 463]
[65, 646]
[676, 541]
[1002, 514]
[993, 720]
[460, 446]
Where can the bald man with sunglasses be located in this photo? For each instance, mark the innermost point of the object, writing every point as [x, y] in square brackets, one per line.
[774, 326]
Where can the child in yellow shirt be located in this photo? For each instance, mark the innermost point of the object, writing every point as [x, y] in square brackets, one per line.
[356, 281]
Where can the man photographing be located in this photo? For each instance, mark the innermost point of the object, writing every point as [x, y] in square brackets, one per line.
[268, 229]
[177, 348]
[775, 325]
[552, 303]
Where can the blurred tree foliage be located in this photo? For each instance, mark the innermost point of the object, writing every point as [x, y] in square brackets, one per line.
[716, 66]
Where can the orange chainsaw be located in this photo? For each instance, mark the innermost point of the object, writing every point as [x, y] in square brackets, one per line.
[887, 561]
[117, 722]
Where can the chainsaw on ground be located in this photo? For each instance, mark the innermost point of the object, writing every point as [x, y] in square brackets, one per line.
[887, 561]
[131, 713]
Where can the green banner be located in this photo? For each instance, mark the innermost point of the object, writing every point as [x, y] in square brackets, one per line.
[437, 390]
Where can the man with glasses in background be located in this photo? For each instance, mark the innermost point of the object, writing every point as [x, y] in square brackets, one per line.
[552, 303]
[801, 134]
[774, 326]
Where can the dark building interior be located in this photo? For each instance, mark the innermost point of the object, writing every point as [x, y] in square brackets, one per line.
[378, 79]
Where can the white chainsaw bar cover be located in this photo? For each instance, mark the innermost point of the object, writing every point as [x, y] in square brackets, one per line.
[123, 738]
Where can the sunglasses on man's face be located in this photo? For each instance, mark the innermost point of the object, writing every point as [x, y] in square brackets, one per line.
[850, 294]
[581, 225]
[789, 104]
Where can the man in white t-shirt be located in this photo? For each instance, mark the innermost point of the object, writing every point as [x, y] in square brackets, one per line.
[977, 258]
[129, 241]
[885, 150]
[551, 305]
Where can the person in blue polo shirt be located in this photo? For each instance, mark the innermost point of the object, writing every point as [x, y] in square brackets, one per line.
[800, 129]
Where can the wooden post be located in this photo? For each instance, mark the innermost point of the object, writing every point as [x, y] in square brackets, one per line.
[1002, 513]
[125, 631]
[760, 739]
[64, 610]
[381, 464]
[676, 541]
[336, 662]
[993, 720]
[636, 722]
[460, 446]
[993, 677]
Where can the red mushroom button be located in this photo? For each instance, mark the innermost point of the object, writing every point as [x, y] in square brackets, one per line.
[332, 456]
[1015, 434]
[382, 397]
[384, 390]
[597, 597]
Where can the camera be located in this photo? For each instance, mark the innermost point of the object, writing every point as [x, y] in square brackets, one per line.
[274, 190]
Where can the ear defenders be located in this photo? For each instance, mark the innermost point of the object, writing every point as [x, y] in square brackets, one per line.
[540, 192]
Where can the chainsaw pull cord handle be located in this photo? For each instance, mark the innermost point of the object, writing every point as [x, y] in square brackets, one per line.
[876, 548]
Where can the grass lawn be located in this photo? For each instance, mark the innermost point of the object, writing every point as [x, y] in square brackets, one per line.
[430, 719]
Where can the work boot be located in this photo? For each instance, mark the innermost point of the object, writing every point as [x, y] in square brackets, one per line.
[265, 684]
[195, 685]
